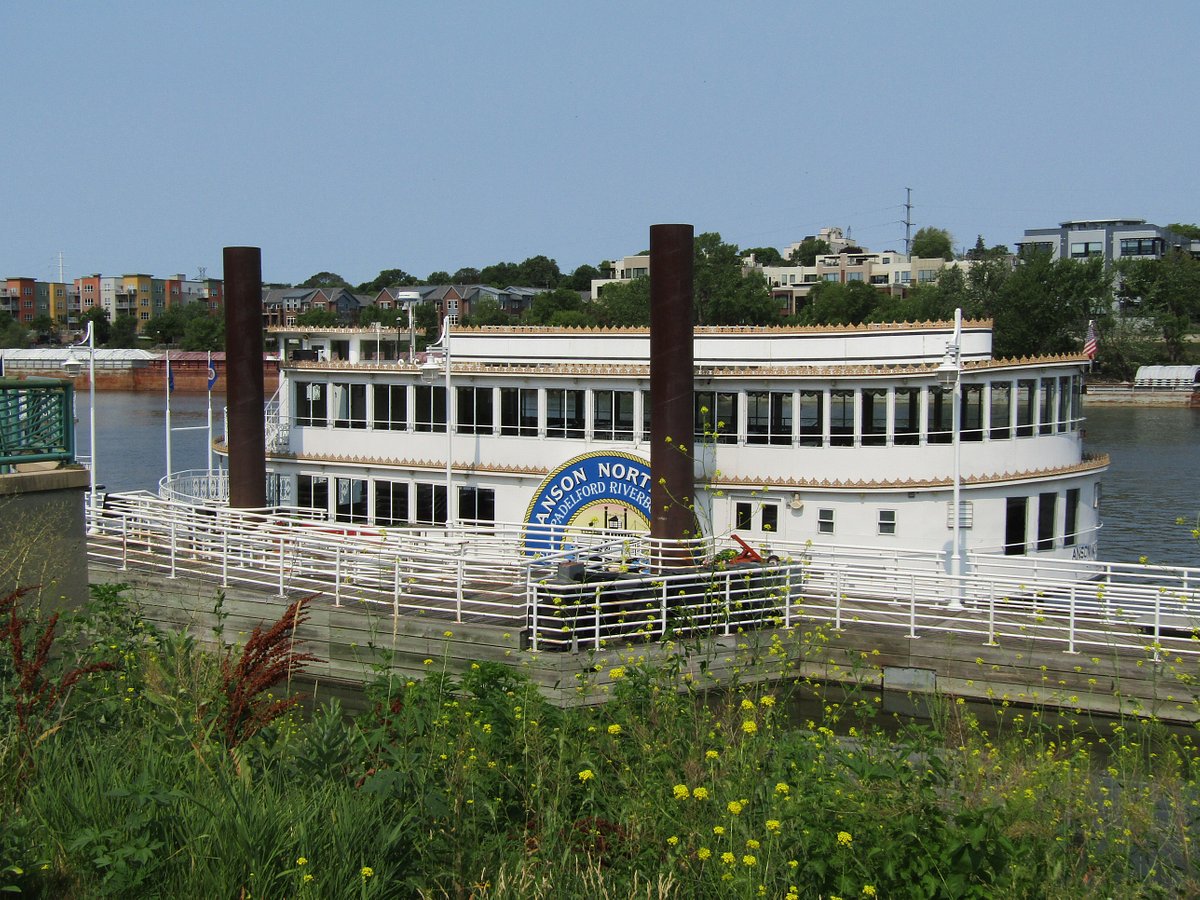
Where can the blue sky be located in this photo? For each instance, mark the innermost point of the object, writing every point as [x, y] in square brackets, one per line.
[359, 136]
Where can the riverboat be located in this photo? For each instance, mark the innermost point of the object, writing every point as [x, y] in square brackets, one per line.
[833, 434]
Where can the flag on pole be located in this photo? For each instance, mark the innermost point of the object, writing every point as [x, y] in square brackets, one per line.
[170, 377]
[212, 375]
[1090, 343]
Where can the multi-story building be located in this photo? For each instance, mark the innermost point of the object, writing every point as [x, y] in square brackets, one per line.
[1110, 239]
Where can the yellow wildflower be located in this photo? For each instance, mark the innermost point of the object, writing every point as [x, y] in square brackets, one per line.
[587, 775]
[681, 792]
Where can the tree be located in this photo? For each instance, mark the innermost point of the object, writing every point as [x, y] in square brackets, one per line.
[391, 318]
[538, 271]
[560, 307]
[204, 332]
[487, 311]
[466, 275]
[12, 333]
[123, 333]
[833, 303]
[930, 243]
[1044, 305]
[102, 327]
[1185, 230]
[324, 280]
[439, 277]
[581, 279]
[723, 295]
[317, 317]
[500, 275]
[165, 327]
[426, 322]
[807, 251]
[624, 304]
[385, 279]
[44, 326]
[1169, 290]
[764, 256]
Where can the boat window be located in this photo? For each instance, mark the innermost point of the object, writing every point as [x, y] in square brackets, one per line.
[941, 415]
[519, 411]
[391, 502]
[1047, 509]
[1049, 404]
[743, 516]
[971, 412]
[1076, 401]
[841, 418]
[1064, 403]
[1072, 518]
[477, 505]
[717, 416]
[351, 500]
[564, 413]
[1026, 391]
[887, 521]
[473, 410]
[312, 492]
[430, 411]
[349, 405]
[390, 411]
[1014, 525]
[613, 415]
[908, 416]
[812, 418]
[874, 417]
[309, 406]
[825, 521]
[1000, 414]
[645, 415]
[770, 517]
[431, 504]
[768, 417]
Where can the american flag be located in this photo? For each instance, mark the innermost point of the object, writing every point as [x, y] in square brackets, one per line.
[1090, 342]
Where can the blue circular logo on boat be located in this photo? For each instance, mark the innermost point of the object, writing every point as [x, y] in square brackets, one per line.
[609, 491]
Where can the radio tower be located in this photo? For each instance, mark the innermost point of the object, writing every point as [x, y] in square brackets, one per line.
[908, 223]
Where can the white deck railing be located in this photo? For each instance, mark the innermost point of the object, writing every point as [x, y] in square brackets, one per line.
[604, 587]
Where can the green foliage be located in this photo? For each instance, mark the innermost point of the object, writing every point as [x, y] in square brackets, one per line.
[1186, 230]
[931, 243]
[807, 251]
[624, 304]
[1168, 289]
[475, 785]
[764, 256]
[123, 333]
[102, 327]
[324, 280]
[12, 332]
[723, 294]
[317, 317]
[581, 279]
[385, 279]
[487, 311]
[833, 303]
[1044, 306]
[465, 275]
[559, 307]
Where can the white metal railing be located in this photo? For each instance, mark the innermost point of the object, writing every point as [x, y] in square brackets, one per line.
[277, 423]
[602, 586]
[195, 486]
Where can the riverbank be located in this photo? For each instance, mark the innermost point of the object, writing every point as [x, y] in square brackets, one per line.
[1125, 394]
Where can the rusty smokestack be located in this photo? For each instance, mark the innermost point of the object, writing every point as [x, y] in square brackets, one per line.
[244, 374]
[672, 479]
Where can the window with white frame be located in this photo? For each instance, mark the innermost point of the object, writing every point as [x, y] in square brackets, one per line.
[887, 521]
[825, 521]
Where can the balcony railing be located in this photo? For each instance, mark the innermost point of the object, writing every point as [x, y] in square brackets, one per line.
[36, 421]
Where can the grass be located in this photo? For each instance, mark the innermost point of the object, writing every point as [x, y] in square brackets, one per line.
[137, 784]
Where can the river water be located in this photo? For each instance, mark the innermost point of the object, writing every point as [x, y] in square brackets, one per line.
[1152, 482]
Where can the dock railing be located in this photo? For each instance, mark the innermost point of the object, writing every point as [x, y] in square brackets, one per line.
[600, 587]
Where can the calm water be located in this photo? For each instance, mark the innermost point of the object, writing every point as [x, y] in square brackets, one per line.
[1153, 479]
[131, 436]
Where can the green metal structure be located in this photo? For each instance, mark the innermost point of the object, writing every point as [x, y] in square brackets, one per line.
[36, 421]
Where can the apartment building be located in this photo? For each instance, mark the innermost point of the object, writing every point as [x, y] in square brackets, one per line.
[1110, 239]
